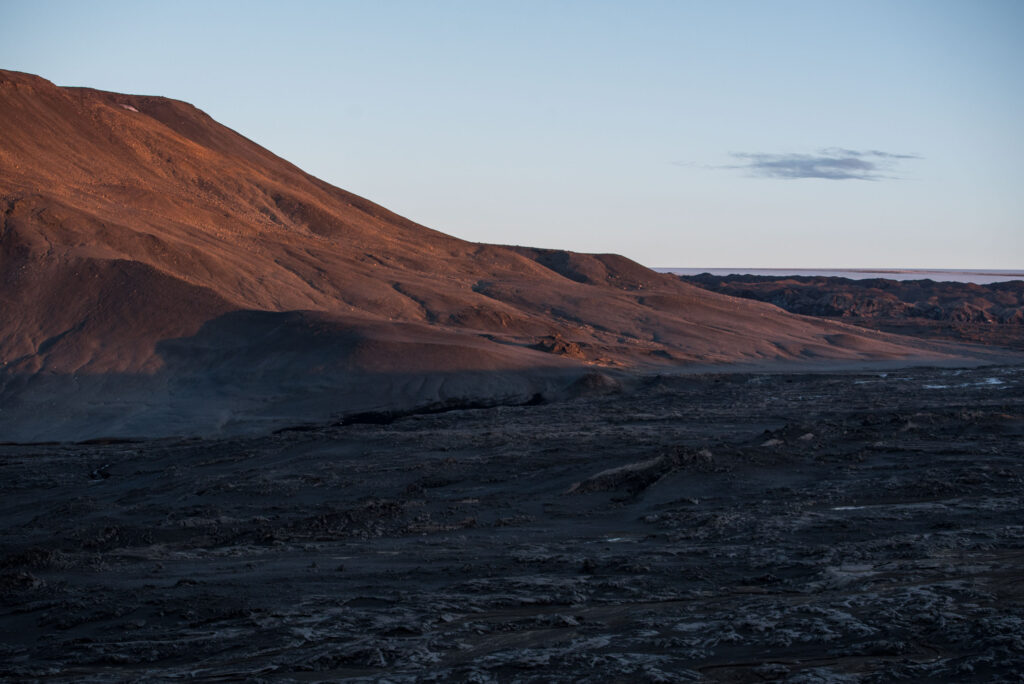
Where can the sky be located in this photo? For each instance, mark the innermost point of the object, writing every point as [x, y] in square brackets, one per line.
[771, 134]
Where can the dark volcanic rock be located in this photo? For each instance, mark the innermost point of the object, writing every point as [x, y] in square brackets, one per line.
[859, 527]
[990, 314]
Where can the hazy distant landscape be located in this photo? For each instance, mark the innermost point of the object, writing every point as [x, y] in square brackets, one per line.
[986, 309]
[979, 277]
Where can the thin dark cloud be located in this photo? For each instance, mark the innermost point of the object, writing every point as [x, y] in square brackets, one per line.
[833, 163]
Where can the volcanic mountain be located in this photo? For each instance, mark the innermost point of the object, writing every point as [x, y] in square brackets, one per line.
[160, 274]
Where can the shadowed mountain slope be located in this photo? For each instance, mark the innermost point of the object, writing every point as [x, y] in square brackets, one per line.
[161, 274]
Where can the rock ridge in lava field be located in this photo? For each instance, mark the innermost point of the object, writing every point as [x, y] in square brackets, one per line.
[162, 275]
[991, 313]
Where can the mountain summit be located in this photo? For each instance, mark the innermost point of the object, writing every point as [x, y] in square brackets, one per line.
[161, 274]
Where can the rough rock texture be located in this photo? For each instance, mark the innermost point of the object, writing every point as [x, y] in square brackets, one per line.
[861, 527]
[990, 314]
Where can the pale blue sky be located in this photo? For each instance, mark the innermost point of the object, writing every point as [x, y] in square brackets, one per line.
[607, 126]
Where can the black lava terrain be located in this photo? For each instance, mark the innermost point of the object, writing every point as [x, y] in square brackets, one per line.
[860, 526]
[991, 314]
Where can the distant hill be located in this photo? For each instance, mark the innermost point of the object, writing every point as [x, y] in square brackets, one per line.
[161, 274]
[990, 314]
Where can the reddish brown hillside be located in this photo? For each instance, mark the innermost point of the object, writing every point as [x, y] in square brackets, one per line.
[131, 226]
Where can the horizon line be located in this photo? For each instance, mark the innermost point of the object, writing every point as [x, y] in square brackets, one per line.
[980, 271]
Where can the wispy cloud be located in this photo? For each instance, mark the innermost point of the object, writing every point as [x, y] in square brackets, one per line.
[833, 163]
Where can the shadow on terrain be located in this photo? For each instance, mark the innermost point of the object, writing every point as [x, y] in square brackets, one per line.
[862, 526]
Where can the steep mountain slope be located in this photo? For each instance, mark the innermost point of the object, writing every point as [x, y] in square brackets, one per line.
[160, 273]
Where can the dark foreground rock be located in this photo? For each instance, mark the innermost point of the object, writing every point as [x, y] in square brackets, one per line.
[724, 528]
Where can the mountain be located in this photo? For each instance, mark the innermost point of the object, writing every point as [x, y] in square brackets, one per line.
[162, 275]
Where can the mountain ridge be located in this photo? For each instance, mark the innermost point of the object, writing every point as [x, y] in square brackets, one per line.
[129, 221]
